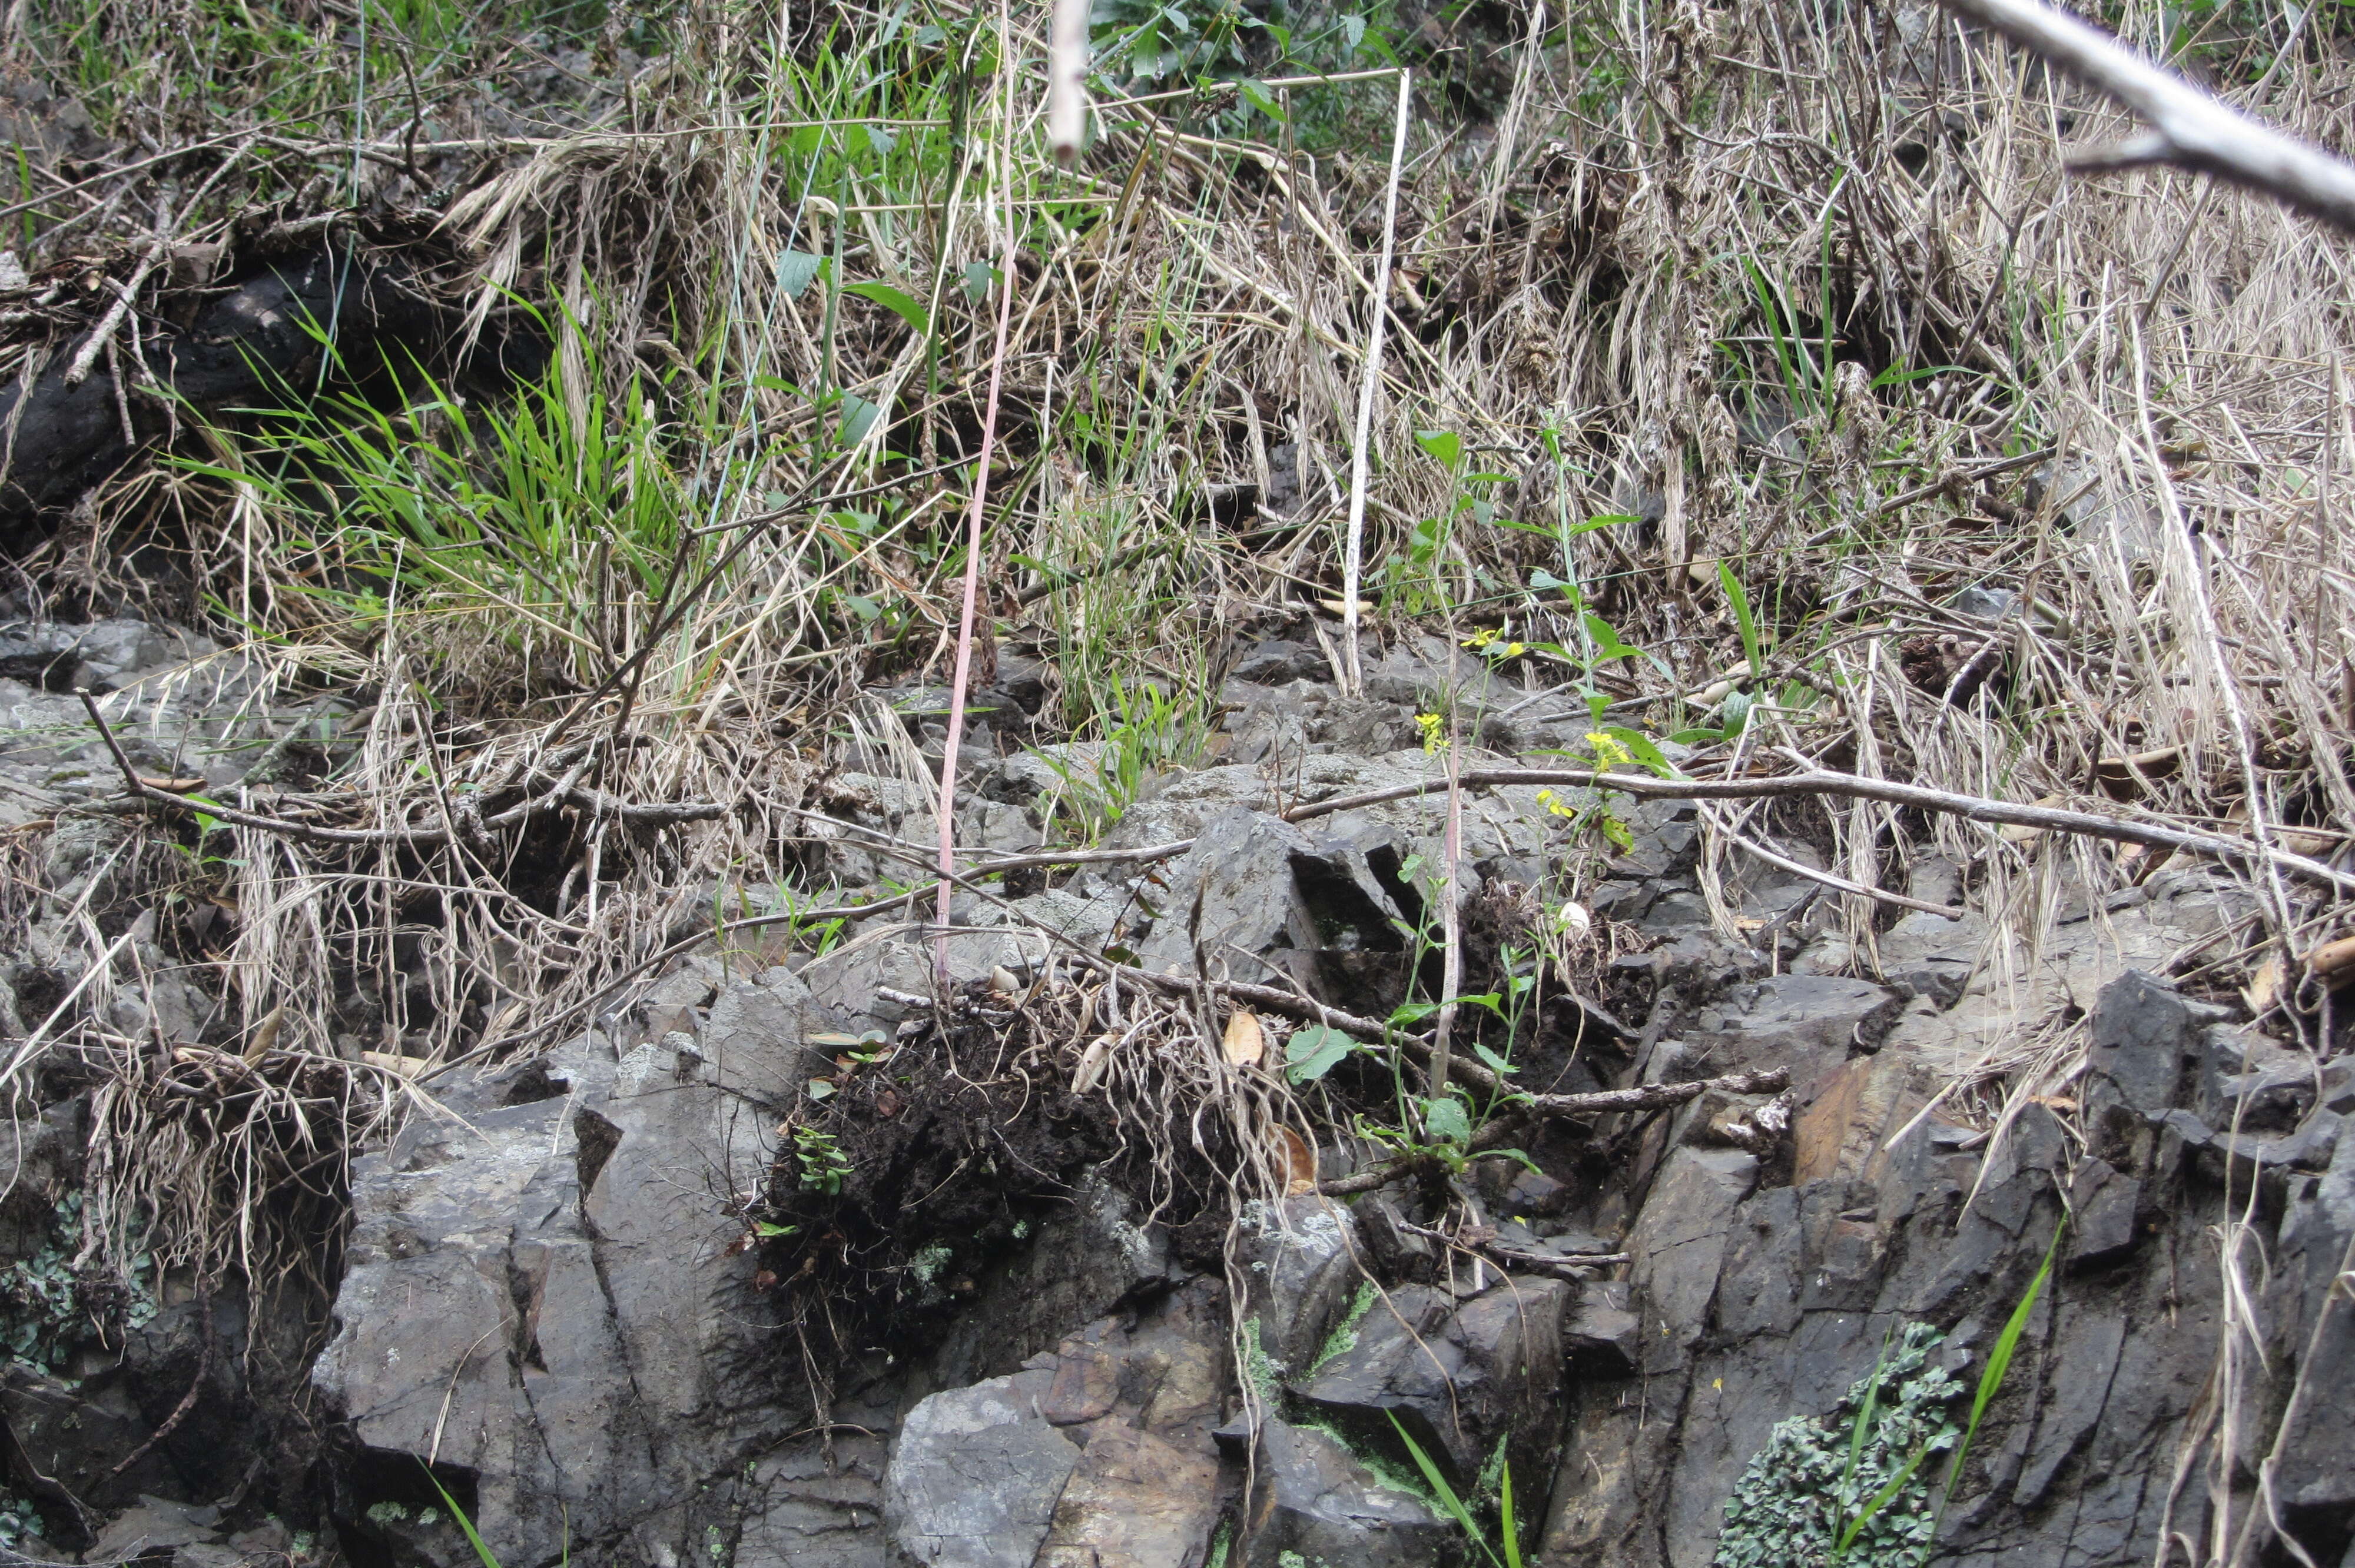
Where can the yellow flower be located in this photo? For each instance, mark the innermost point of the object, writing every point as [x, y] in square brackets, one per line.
[1432, 741]
[1608, 751]
[1481, 639]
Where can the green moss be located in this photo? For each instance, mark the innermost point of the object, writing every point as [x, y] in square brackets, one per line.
[48, 1308]
[1816, 1475]
[1344, 1337]
[1388, 1472]
[1221, 1544]
[1264, 1370]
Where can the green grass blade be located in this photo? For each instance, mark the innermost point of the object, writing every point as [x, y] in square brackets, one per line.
[1506, 1524]
[1742, 619]
[1880, 1500]
[1447, 1497]
[467, 1525]
[1998, 1363]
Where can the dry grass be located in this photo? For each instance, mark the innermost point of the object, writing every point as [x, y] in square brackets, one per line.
[1617, 290]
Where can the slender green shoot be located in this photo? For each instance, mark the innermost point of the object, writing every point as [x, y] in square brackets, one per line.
[1999, 1362]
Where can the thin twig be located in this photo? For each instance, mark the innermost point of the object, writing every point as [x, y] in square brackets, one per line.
[973, 560]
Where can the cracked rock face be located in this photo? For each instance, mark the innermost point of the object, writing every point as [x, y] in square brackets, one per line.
[538, 1302]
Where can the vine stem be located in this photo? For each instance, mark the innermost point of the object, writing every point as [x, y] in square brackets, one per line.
[973, 532]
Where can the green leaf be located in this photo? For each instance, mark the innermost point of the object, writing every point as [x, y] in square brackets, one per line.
[857, 419]
[1507, 1525]
[895, 301]
[464, 1523]
[1444, 445]
[821, 1088]
[1258, 97]
[796, 270]
[1880, 1498]
[881, 141]
[1313, 1051]
[768, 1229]
[1607, 645]
[1742, 619]
[1496, 1064]
[1446, 1494]
[1895, 376]
[1639, 747]
[979, 278]
[1445, 1120]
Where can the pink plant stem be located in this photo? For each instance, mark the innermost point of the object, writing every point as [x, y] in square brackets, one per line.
[972, 595]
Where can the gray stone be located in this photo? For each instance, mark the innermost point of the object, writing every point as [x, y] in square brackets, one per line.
[1256, 900]
[1314, 1500]
[1080, 1264]
[975, 1475]
[2313, 1476]
[2142, 1034]
[1299, 1266]
[1678, 1244]
[154, 1524]
[1459, 1378]
[752, 1044]
[541, 1294]
[80, 1432]
[2103, 1202]
[1133, 1500]
[848, 984]
[1808, 1024]
[1602, 1336]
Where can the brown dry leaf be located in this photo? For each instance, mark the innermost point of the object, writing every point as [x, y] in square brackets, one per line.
[2019, 832]
[1246, 1041]
[1340, 607]
[265, 1033]
[1299, 1162]
[2264, 987]
[1093, 1063]
[2122, 778]
[1002, 981]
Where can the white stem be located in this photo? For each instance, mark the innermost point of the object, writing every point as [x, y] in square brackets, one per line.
[1066, 82]
[1353, 560]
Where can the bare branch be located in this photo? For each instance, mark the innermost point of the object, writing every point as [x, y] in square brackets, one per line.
[2188, 127]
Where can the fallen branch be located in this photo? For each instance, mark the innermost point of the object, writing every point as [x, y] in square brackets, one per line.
[1818, 781]
[564, 793]
[2188, 127]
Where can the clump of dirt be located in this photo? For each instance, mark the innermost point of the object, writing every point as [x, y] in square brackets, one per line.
[939, 1152]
